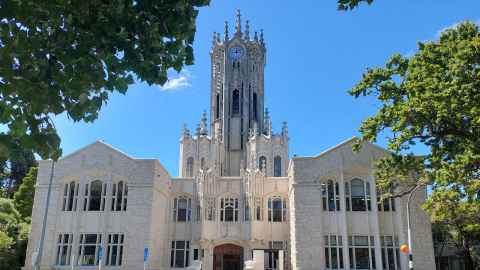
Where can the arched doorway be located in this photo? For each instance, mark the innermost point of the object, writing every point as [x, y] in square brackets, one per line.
[228, 257]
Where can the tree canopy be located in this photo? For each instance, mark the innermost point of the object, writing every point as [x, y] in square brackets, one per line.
[68, 56]
[432, 99]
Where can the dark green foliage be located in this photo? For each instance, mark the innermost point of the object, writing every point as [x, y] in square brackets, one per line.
[350, 4]
[23, 198]
[432, 99]
[68, 56]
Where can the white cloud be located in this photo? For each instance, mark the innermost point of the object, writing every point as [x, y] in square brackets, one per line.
[182, 80]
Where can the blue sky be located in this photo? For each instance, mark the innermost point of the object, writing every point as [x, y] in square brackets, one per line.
[315, 54]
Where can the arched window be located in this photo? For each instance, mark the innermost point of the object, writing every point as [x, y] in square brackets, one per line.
[119, 196]
[70, 197]
[330, 196]
[190, 165]
[182, 209]
[254, 107]
[229, 209]
[277, 209]
[262, 163]
[236, 102]
[358, 195]
[277, 166]
[95, 194]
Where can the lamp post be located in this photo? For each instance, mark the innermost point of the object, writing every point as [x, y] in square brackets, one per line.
[38, 257]
[409, 232]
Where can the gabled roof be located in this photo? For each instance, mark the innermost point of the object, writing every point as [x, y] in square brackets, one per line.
[97, 143]
[348, 141]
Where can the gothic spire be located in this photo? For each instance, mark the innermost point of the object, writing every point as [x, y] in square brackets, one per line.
[238, 24]
[261, 37]
[214, 39]
[203, 124]
[255, 36]
[247, 31]
[267, 123]
[226, 31]
[185, 131]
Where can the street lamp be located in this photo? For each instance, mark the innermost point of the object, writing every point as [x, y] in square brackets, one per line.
[38, 255]
[409, 233]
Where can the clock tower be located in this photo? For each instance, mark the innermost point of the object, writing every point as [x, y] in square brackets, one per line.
[237, 93]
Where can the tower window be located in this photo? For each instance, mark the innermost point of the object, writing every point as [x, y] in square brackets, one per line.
[217, 107]
[262, 163]
[236, 102]
[190, 164]
[277, 166]
[255, 113]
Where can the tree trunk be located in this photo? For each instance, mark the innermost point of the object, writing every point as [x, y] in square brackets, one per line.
[469, 263]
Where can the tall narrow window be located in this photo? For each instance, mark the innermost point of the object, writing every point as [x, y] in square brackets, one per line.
[182, 209]
[70, 196]
[333, 252]
[115, 249]
[190, 165]
[330, 196]
[95, 195]
[64, 248]
[262, 163]
[361, 252]
[277, 209]
[89, 249]
[217, 106]
[236, 102]
[388, 204]
[203, 164]
[119, 196]
[390, 253]
[254, 107]
[179, 255]
[246, 212]
[277, 166]
[271, 254]
[229, 209]
[258, 209]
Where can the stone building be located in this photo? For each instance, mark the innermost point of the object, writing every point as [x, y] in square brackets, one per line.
[237, 191]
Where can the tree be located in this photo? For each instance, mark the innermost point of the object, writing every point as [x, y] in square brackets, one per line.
[432, 99]
[68, 56]
[350, 4]
[13, 236]
[14, 166]
[23, 198]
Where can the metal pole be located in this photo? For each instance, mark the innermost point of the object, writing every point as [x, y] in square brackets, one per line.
[44, 225]
[409, 231]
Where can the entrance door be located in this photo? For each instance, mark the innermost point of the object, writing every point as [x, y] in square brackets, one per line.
[228, 257]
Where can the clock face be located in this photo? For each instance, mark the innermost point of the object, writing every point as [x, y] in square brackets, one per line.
[236, 52]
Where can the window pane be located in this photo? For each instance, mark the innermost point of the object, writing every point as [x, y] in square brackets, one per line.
[362, 258]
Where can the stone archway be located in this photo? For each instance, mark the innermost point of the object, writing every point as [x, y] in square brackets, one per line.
[228, 257]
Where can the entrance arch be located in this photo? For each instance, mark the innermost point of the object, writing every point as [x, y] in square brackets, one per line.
[228, 257]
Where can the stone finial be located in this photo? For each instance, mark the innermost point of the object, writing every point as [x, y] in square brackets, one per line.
[214, 39]
[284, 129]
[255, 129]
[218, 37]
[238, 24]
[185, 131]
[226, 31]
[262, 41]
[197, 130]
[247, 30]
[203, 124]
[267, 123]
[255, 36]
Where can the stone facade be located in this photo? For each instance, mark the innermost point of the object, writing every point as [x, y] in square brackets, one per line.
[237, 194]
